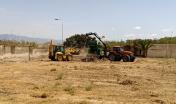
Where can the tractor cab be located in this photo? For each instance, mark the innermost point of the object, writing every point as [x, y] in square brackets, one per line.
[117, 53]
[118, 49]
[58, 49]
[53, 49]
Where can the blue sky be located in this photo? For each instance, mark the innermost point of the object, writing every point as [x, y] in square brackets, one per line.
[116, 19]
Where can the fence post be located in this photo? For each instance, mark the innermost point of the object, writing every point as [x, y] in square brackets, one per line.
[29, 54]
[4, 50]
[12, 49]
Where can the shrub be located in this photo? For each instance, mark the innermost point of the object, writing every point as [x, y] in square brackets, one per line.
[70, 89]
[59, 76]
[89, 86]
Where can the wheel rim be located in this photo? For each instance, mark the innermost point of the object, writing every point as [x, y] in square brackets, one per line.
[126, 58]
[59, 58]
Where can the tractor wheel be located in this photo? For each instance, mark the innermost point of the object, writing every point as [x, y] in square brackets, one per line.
[69, 57]
[126, 58]
[59, 58]
[112, 57]
[53, 59]
[118, 58]
[132, 58]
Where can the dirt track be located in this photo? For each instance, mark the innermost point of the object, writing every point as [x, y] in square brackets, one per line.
[146, 81]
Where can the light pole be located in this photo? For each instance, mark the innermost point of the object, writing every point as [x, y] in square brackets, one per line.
[57, 19]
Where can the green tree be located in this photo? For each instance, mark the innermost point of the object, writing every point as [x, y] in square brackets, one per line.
[144, 45]
[77, 40]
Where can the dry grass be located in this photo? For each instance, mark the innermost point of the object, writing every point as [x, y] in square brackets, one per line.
[59, 76]
[89, 86]
[70, 89]
[146, 81]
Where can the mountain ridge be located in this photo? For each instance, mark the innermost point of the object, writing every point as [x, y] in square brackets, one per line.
[25, 38]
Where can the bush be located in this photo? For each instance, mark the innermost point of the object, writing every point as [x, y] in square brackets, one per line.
[89, 86]
[70, 89]
[60, 76]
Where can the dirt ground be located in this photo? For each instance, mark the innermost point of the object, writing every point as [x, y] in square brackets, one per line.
[145, 81]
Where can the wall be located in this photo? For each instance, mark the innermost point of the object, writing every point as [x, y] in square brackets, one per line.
[20, 50]
[162, 50]
[157, 50]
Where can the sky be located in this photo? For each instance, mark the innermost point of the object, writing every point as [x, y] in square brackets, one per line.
[114, 19]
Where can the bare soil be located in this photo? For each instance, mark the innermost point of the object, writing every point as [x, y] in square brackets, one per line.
[145, 81]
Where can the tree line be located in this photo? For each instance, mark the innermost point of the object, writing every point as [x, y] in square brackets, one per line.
[80, 40]
[165, 40]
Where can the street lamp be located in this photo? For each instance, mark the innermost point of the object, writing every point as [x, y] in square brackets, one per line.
[59, 19]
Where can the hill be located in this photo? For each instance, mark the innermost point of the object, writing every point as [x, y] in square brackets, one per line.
[24, 38]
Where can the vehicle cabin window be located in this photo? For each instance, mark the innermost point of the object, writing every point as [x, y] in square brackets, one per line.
[118, 49]
[57, 48]
[121, 49]
[62, 49]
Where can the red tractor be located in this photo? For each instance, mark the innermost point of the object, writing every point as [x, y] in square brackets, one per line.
[117, 53]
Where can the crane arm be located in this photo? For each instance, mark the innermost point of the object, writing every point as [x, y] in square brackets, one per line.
[95, 34]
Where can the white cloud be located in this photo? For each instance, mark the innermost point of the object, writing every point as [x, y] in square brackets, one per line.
[137, 27]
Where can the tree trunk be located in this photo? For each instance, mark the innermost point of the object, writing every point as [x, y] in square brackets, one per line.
[144, 53]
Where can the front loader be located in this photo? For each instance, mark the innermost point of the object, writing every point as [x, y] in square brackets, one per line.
[57, 53]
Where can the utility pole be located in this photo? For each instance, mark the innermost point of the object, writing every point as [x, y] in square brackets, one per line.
[57, 19]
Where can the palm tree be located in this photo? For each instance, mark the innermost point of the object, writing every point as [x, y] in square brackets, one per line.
[143, 45]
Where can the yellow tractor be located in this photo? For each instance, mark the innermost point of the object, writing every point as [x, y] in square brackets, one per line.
[57, 53]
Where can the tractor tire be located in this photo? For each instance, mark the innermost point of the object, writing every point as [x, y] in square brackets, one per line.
[118, 58]
[53, 59]
[132, 58]
[112, 57]
[126, 58]
[59, 58]
[69, 57]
